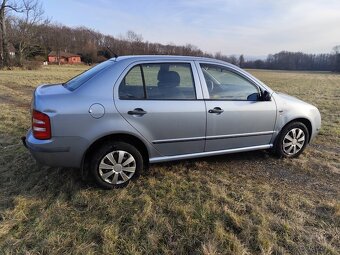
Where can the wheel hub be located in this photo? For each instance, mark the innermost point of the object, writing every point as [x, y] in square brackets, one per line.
[117, 168]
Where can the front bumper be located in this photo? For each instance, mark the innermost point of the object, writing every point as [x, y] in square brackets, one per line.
[58, 151]
[316, 124]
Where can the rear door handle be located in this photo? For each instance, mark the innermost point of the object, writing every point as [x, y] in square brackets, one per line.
[217, 110]
[137, 111]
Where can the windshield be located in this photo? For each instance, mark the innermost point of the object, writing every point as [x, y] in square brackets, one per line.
[78, 80]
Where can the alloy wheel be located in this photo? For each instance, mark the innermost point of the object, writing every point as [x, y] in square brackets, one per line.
[117, 167]
[293, 141]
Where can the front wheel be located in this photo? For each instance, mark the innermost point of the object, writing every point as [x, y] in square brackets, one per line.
[292, 140]
[114, 164]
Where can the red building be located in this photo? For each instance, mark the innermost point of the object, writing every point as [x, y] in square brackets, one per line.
[63, 58]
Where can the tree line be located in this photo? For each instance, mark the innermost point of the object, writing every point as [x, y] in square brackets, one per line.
[286, 60]
[24, 29]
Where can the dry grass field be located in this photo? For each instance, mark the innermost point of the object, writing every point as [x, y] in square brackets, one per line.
[248, 203]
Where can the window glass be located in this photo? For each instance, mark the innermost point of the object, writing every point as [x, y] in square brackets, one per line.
[80, 79]
[159, 81]
[224, 84]
[169, 81]
[131, 86]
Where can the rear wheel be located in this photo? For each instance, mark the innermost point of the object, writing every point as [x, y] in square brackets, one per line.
[292, 140]
[114, 164]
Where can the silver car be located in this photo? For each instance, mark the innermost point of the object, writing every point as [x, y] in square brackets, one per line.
[119, 116]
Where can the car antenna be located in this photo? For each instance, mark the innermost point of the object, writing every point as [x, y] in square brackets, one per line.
[111, 51]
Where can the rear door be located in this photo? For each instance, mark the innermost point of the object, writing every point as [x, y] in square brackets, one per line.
[236, 116]
[160, 100]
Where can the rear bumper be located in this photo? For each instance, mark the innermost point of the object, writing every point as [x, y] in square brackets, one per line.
[58, 151]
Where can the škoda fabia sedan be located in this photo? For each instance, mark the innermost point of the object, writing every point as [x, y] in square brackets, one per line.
[119, 116]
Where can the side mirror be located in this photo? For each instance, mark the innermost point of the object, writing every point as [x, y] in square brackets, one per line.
[266, 96]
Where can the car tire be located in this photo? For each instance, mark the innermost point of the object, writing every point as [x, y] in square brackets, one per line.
[115, 164]
[292, 140]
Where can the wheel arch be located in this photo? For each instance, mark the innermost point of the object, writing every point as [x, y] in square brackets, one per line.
[305, 121]
[131, 139]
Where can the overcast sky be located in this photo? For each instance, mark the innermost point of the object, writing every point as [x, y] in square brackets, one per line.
[250, 27]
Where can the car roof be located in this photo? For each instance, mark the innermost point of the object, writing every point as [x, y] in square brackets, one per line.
[167, 57]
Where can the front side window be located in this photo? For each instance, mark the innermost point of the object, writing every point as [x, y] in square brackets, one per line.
[158, 81]
[224, 84]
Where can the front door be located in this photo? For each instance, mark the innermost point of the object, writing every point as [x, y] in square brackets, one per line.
[236, 115]
[160, 101]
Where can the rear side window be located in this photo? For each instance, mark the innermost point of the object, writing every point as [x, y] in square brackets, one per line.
[80, 79]
[132, 86]
[159, 81]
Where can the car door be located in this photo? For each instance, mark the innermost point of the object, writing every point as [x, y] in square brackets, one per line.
[236, 115]
[159, 99]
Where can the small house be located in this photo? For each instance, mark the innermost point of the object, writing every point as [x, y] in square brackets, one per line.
[63, 58]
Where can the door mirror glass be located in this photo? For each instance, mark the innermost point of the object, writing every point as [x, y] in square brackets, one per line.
[254, 97]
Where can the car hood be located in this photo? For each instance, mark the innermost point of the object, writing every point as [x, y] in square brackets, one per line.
[288, 97]
[289, 101]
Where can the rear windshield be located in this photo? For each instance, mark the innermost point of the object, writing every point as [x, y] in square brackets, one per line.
[80, 79]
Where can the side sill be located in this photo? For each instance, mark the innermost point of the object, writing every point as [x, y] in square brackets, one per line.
[210, 153]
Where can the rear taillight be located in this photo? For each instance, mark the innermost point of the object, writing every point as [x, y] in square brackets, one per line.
[41, 125]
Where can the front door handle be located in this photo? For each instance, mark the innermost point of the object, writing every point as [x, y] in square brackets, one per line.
[217, 110]
[137, 111]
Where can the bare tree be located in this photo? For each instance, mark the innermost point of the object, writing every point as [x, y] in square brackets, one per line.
[4, 8]
[241, 61]
[336, 50]
[135, 42]
[26, 28]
